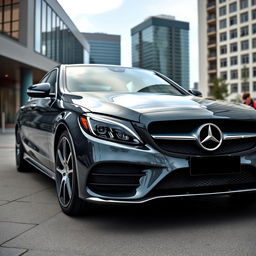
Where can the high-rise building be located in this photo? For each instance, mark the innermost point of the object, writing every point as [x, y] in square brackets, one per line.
[161, 43]
[104, 48]
[35, 36]
[227, 45]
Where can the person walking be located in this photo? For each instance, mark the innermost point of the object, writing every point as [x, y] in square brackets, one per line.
[248, 100]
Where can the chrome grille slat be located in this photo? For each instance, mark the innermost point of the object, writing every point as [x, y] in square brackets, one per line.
[180, 136]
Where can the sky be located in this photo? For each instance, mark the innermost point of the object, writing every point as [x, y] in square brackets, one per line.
[119, 16]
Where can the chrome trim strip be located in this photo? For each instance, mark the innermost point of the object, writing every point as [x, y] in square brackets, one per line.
[173, 137]
[193, 137]
[39, 166]
[236, 137]
[100, 200]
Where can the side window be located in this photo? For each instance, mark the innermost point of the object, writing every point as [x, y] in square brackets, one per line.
[44, 79]
[52, 80]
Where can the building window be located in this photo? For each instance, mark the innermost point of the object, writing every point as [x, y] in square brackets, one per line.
[245, 45]
[254, 43]
[212, 54]
[223, 23]
[245, 73]
[254, 28]
[254, 14]
[233, 74]
[233, 61]
[222, 11]
[9, 18]
[233, 47]
[223, 75]
[52, 37]
[254, 57]
[244, 31]
[245, 59]
[243, 4]
[254, 72]
[233, 33]
[253, 2]
[233, 88]
[212, 29]
[222, 1]
[244, 17]
[223, 49]
[223, 62]
[233, 20]
[232, 7]
[223, 36]
[254, 86]
[245, 87]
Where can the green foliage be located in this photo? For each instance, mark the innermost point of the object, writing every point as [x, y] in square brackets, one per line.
[219, 89]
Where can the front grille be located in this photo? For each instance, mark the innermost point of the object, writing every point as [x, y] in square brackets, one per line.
[115, 179]
[180, 181]
[185, 127]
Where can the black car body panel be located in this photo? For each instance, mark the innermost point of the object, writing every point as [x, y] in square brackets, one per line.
[145, 166]
[137, 107]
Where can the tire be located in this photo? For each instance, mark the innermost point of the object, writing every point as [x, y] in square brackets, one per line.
[21, 164]
[66, 178]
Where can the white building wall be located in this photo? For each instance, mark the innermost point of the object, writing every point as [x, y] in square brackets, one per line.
[202, 11]
[202, 34]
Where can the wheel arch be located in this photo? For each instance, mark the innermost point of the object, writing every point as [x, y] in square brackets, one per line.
[59, 130]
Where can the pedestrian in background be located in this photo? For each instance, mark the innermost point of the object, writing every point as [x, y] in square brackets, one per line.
[248, 100]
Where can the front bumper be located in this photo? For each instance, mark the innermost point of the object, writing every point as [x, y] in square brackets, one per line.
[148, 199]
[155, 166]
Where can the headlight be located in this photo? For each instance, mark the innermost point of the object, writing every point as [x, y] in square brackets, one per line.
[109, 129]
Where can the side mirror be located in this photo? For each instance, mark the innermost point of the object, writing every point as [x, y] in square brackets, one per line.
[196, 93]
[39, 90]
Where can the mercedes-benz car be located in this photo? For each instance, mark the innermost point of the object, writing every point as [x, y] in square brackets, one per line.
[112, 134]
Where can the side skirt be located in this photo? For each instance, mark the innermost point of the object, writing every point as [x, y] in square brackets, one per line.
[39, 167]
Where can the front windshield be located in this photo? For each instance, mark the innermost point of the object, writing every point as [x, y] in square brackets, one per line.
[116, 79]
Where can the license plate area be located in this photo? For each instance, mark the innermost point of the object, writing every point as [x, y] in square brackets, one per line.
[214, 165]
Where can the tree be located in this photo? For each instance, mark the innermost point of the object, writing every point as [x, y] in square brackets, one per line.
[219, 89]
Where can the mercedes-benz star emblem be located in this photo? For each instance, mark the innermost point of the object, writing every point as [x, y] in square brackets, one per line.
[209, 137]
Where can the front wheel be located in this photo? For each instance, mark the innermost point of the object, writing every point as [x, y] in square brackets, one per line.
[66, 178]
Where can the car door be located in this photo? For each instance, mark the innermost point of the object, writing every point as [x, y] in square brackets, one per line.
[40, 121]
[29, 122]
[51, 111]
[46, 112]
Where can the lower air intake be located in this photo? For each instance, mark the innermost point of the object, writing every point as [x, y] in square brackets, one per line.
[115, 179]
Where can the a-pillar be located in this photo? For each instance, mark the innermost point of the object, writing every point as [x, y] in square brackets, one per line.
[26, 80]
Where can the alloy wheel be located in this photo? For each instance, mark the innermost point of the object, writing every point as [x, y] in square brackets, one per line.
[64, 171]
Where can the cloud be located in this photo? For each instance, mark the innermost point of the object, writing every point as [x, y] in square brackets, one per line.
[83, 24]
[89, 7]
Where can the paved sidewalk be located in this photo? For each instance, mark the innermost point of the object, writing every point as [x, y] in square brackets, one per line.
[21, 205]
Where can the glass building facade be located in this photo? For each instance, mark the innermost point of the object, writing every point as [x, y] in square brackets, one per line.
[9, 18]
[54, 39]
[162, 44]
[104, 48]
[35, 36]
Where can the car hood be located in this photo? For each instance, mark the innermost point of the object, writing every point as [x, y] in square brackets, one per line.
[147, 107]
